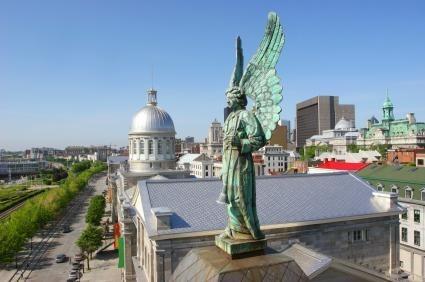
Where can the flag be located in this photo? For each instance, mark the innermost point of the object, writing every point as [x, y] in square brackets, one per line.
[121, 262]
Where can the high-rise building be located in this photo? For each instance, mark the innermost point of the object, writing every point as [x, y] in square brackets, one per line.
[320, 113]
[287, 123]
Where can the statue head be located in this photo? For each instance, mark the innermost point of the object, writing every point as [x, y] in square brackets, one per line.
[235, 98]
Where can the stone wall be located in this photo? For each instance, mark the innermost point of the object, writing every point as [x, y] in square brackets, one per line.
[377, 252]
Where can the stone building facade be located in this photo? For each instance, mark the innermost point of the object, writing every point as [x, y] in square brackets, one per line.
[163, 220]
[395, 133]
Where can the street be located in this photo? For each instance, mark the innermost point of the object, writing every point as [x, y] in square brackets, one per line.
[42, 266]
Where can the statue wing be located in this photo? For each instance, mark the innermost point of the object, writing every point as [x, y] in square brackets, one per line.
[260, 81]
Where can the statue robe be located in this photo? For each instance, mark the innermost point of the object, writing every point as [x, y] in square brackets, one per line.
[238, 174]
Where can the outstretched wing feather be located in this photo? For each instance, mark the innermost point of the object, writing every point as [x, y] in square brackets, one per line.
[260, 81]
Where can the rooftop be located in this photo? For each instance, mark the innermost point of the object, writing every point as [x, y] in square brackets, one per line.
[301, 199]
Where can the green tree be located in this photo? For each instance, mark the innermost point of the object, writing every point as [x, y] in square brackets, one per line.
[96, 210]
[89, 241]
[353, 148]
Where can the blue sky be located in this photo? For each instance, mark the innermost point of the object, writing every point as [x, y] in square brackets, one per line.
[75, 72]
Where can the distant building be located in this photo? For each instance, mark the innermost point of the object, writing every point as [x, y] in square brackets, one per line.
[409, 183]
[11, 168]
[81, 152]
[395, 133]
[185, 160]
[275, 159]
[287, 123]
[42, 153]
[279, 136]
[213, 145]
[320, 113]
[403, 155]
[338, 139]
[202, 166]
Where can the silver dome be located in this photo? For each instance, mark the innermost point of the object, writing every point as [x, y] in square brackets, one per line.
[152, 119]
[343, 124]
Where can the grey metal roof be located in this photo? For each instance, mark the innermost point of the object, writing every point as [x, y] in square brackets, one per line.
[280, 200]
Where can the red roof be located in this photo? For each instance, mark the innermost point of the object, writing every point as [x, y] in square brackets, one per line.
[342, 165]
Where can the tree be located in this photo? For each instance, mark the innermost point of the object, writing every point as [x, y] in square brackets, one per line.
[96, 210]
[89, 241]
[353, 148]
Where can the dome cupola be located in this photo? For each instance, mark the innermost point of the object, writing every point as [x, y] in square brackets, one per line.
[151, 118]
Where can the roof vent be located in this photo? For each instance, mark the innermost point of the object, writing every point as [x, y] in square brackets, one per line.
[162, 217]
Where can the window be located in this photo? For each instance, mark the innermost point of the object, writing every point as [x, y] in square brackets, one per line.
[159, 146]
[417, 238]
[394, 189]
[417, 216]
[423, 194]
[206, 173]
[134, 147]
[142, 147]
[420, 161]
[150, 147]
[404, 234]
[380, 187]
[358, 235]
[404, 215]
[408, 193]
[168, 146]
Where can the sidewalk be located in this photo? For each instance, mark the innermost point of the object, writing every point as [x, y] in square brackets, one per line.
[103, 267]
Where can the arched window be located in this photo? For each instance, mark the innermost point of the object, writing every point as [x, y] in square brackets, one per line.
[159, 146]
[150, 147]
[142, 146]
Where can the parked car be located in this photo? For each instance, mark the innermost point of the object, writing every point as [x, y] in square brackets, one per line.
[66, 229]
[61, 258]
[76, 266]
[79, 257]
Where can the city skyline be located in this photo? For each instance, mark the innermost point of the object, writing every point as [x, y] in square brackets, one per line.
[76, 73]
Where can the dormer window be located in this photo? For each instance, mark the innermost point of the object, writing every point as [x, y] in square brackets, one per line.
[408, 192]
[394, 189]
[380, 187]
[423, 194]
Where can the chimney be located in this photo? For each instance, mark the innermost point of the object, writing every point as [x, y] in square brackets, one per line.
[386, 200]
[162, 218]
[411, 118]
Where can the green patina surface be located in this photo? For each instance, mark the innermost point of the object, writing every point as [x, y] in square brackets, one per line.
[390, 127]
[401, 176]
[236, 247]
[247, 131]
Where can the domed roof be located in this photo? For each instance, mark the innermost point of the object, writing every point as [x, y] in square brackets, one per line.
[343, 124]
[151, 118]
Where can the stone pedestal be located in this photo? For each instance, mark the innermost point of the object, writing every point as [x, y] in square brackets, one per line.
[212, 264]
[241, 248]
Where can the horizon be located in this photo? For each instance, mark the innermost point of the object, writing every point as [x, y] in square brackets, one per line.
[75, 73]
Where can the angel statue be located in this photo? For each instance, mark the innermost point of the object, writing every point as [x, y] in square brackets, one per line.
[247, 131]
